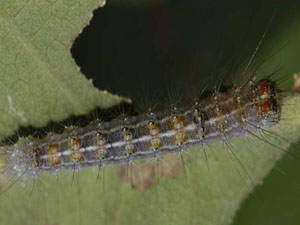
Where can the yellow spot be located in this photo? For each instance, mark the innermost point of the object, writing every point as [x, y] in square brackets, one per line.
[154, 131]
[199, 118]
[53, 152]
[128, 141]
[178, 125]
[102, 145]
[201, 132]
[34, 154]
[220, 117]
[74, 146]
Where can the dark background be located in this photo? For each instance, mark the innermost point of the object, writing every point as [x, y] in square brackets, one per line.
[161, 51]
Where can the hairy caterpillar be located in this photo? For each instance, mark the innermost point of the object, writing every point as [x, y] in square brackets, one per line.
[248, 108]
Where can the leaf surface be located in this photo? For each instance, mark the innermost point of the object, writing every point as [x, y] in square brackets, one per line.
[39, 79]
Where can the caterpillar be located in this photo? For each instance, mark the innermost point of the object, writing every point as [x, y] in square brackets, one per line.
[242, 110]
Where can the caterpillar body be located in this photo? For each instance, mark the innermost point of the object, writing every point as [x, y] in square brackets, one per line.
[242, 110]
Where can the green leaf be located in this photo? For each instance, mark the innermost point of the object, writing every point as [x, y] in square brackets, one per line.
[40, 81]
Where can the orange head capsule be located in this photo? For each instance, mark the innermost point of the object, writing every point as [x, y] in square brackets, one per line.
[270, 109]
[266, 89]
